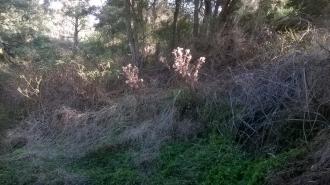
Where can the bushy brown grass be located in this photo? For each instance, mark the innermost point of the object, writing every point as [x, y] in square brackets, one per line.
[67, 84]
[141, 122]
[281, 87]
[138, 121]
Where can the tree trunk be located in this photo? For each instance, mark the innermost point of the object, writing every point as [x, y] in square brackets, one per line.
[76, 35]
[227, 9]
[154, 13]
[175, 23]
[214, 18]
[207, 17]
[216, 8]
[131, 35]
[196, 18]
[141, 30]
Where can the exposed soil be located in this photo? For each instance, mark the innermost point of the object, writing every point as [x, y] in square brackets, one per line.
[313, 169]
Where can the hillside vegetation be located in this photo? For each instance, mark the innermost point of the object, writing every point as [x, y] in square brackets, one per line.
[147, 92]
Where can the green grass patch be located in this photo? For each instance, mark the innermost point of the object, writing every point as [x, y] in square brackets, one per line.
[204, 161]
[22, 168]
[7, 175]
[108, 167]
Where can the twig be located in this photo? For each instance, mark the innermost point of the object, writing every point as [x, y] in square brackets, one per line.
[323, 47]
[307, 104]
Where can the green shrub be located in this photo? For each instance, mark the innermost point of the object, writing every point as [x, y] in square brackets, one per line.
[310, 7]
[94, 47]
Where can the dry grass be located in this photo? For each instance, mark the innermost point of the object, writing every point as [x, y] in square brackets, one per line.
[68, 84]
[284, 89]
[54, 139]
[138, 121]
[272, 82]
